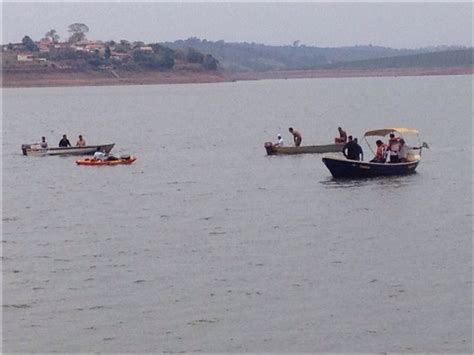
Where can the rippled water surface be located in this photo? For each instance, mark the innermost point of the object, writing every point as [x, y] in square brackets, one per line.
[206, 244]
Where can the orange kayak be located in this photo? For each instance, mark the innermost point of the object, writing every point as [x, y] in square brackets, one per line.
[122, 160]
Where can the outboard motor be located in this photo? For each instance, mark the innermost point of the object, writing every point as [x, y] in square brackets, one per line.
[269, 147]
[25, 148]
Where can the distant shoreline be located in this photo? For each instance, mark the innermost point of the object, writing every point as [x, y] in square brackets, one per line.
[65, 79]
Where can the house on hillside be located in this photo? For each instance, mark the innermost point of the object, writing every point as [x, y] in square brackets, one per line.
[13, 47]
[45, 44]
[119, 59]
[61, 45]
[88, 46]
[92, 47]
[119, 56]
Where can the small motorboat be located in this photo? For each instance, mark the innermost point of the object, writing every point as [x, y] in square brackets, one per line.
[340, 167]
[36, 149]
[124, 159]
[273, 149]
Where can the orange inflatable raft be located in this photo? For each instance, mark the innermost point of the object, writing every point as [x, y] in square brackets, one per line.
[110, 161]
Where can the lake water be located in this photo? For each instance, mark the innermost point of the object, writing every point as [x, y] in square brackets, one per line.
[205, 244]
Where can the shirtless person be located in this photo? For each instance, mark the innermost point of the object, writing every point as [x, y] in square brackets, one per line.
[392, 147]
[81, 142]
[296, 136]
[342, 139]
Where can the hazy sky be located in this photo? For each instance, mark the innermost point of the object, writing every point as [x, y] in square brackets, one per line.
[324, 24]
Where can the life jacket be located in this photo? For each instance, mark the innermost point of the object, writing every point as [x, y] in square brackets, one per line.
[380, 151]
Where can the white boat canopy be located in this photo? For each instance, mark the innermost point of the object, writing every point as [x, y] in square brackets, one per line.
[384, 131]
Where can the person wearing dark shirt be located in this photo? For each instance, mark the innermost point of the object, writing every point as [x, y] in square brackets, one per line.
[359, 152]
[64, 142]
[352, 150]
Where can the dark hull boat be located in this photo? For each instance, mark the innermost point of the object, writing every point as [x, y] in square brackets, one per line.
[345, 168]
[340, 167]
[308, 149]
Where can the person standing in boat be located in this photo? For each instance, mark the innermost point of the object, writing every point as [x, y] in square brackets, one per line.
[359, 151]
[403, 151]
[296, 136]
[393, 147]
[351, 149]
[342, 136]
[81, 142]
[64, 142]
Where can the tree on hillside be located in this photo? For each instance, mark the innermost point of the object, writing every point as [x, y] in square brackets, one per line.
[78, 32]
[52, 34]
[165, 54]
[123, 46]
[138, 44]
[107, 53]
[161, 58]
[209, 62]
[193, 56]
[29, 44]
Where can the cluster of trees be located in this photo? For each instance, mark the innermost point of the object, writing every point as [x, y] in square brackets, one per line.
[161, 57]
[29, 44]
[77, 33]
[191, 55]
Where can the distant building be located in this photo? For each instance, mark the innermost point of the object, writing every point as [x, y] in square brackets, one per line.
[44, 44]
[60, 45]
[119, 56]
[13, 47]
[94, 47]
[24, 57]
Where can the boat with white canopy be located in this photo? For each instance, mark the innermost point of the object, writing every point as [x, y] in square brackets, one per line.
[341, 167]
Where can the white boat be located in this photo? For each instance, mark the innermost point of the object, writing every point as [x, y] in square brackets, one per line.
[36, 149]
[273, 149]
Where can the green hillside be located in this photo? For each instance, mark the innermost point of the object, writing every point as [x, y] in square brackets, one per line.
[453, 58]
[254, 57]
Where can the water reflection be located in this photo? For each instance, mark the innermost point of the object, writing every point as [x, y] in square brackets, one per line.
[380, 181]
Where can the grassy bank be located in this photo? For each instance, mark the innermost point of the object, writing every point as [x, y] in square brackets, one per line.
[95, 78]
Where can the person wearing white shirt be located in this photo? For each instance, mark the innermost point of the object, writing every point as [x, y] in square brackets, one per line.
[43, 143]
[403, 151]
[280, 141]
[100, 155]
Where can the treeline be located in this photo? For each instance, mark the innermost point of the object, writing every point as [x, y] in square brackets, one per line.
[259, 57]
